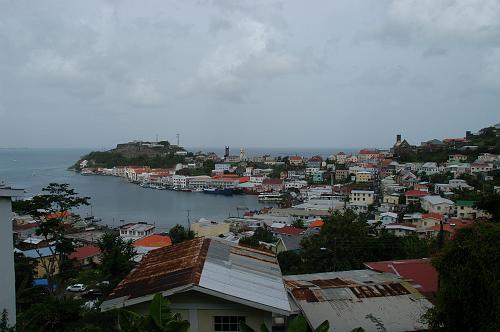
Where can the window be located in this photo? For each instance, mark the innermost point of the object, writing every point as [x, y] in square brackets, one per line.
[228, 323]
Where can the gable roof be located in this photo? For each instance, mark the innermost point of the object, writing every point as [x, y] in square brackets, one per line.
[288, 230]
[218, 268]
[434, 200]
[85, 252]
[417, 193]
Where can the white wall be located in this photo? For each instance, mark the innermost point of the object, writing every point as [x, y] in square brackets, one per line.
[7, 276]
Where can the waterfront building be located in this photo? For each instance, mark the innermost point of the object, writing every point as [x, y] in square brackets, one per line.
[135, 231]
[204, 227]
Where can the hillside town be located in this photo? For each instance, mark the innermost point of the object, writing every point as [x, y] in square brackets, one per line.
[298, 257]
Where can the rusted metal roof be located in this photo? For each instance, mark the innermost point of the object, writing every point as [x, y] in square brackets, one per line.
[164, 269]
[220, 268]
[351, 299]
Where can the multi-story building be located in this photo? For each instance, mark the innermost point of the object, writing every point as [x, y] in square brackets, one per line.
[363, 176]
[135, 231]
[361, 197]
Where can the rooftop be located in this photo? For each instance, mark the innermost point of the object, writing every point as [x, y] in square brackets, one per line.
[211, 266]
[154, 241]
[351, 299]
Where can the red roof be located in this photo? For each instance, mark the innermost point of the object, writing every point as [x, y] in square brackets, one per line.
[420, 271]
[295, 158]
[416, 193]
[288, 230]
[153, 241]
[436, 216]
[368, 152]
[316, 223]
[58, 215]
[85, 252]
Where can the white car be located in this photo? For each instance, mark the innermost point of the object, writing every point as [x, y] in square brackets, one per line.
[76, 288]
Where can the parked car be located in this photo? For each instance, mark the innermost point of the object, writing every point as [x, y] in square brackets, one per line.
[76, 288]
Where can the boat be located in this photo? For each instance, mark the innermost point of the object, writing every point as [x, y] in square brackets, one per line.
[275, 197]
[218, 191]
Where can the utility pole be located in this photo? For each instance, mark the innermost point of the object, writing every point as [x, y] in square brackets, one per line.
[189, 221]
[178, 139]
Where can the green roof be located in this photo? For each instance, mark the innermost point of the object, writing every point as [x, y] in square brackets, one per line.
[465, 203]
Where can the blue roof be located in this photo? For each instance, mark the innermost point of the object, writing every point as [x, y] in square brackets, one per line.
[40, 282]
[40, 252]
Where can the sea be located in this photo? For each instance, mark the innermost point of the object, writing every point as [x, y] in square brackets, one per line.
[116, 201]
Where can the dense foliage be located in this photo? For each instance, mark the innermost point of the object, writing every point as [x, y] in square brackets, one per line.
[116, 258]
[261, 234]
[180, 234]
[469, 270]
[345, 242]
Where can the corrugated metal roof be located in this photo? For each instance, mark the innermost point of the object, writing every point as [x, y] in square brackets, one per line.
[244, 273]
[359, 298]
[220, 267]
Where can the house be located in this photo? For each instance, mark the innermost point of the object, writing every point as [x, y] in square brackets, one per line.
[340, 158]
[148, 243]
[85, 256]
[419, 272]
[392, 199]
[414, 196]
[451, 185]
[295, 160]
[358, 299]
[135, 231]
[431, 168]
[204, 227]
[436, 204]
[388, 217]
[363, 177]
[44, 258]
[457, 157]
[480, 168]
[341, 174]
[212, 283]
[401, 229]
[314, 162]
[428, 220]
[467, 210]
[287, 231]
[361, 197]
[365, 155]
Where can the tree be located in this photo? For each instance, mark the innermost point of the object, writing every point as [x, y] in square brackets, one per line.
[491, 204]
[469, 272]
[180, 234]
[53, 207]
[159, 318]
[299, 223]
[116, 257]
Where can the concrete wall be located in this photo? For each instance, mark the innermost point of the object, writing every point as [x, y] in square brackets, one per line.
[7, 276]
[200, 309]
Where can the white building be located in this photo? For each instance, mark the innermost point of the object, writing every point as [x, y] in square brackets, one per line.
[7, 277]
[361, 197]
[179, 181]
[221, 168]
[135, 231]
[436, 204]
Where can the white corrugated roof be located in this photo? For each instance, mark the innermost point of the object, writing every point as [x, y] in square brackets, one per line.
[244, 273]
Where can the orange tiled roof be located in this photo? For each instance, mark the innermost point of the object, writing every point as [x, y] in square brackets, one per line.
[316, 223]
[154, 241]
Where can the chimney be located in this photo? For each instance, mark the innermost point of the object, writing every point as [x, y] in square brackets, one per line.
[398, 138]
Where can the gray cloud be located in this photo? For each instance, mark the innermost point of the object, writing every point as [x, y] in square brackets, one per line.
[229, 72]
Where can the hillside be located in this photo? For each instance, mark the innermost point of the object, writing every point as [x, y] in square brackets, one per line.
[154, 154]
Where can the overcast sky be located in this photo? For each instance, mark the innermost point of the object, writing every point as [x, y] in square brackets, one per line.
[247, 73]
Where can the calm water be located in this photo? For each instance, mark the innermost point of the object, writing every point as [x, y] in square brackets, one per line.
[113, 198]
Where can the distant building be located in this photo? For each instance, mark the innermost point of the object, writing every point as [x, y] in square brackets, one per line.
[361, 197]
[135, 231]
[436, 204]
[204, 227]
